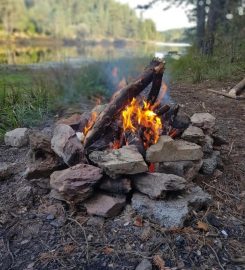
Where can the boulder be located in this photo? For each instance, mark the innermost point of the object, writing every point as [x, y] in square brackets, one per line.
[76, 183]
[40, 143]
[167, 149]
[105, 205]
[205, 121]
[66, 145]
[144, 265]
[119, 185]
[193, 134]
[126, 160]
[156, 185]
[17, 137]
[170, 213]
[7, 169]
[187, 169]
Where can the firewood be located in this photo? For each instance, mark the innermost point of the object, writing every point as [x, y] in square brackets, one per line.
[163, 109]
[156, 86]
[121, 99]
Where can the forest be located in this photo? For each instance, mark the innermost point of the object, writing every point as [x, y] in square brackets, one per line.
[73, 19]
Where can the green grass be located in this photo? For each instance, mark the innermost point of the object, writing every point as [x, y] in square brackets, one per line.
[195, 68]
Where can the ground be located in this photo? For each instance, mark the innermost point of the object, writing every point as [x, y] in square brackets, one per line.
[30, 237]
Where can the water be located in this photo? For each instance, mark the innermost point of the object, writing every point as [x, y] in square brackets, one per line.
[46, 56]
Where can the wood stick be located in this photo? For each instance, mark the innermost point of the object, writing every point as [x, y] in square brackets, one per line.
[162, 110]
[121, 99]
[156, 86]
[226, 94]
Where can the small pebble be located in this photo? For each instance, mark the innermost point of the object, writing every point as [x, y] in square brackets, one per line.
[50, 217]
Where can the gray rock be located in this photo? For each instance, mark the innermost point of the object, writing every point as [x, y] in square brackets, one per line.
[173, 212]
[210, 164]
[105, 205]
[119, 186]
[203, 120]
[17, 137]
[186, 169]
[126, 160]
[167, 149]
[7, 169]
[207, 147]
[144, 265]
[155, 185]
[76, 183]
[193, 134]
[23, 194]
[66, 145]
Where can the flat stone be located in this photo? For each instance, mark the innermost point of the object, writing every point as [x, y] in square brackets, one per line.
[186, 169]
[66, 145]
[203, 120]
[7, 169]
[167, 149]
[104, 205]
[126, 160]
[17, 137]
[155, 185]
[173, 212]
[119, 185]
[210, 163]
[76, 183]
[144, 265]
[193, 134]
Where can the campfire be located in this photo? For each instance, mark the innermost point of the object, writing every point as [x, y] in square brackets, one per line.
[134, 116]
[135, 149]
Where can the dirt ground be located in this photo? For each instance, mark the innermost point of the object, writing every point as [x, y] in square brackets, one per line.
[31, 238]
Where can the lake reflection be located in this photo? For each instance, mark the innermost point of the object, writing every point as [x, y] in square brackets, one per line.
[46, 56]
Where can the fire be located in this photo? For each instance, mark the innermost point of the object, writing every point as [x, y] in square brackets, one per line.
[141, 119]
[90, 123]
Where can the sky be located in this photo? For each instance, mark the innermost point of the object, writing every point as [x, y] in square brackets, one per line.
[175, 17]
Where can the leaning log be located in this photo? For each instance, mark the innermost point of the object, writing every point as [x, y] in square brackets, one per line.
[238, 88]
[121, 99]
[156, 86]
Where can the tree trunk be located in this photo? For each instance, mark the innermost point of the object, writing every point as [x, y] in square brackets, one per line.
[200, 29]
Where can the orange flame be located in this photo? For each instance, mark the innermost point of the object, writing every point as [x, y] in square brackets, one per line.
[142, 118]
[90, 123]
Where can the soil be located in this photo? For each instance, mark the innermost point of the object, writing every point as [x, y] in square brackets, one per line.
[39, 233]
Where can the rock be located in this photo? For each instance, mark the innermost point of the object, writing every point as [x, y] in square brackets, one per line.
[186, 169]
[119, 186]
[17, 137]
[144, 265]
[155, 185]
[73, 121]
[76, 183]
[173, 212]
[66, 145]
[167, 149]
[42, 168]
[181, 121]
[210, 164]
[219, 140]
[104, 205]
[203, 120]
[40, 143]
[126, 160]
[23, 194]
[7, 169]
[208, 145]
[193, 134]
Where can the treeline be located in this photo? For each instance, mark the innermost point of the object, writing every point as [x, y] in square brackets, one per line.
[73, 19]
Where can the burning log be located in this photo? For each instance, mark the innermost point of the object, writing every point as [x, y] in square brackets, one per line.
[121, 99]
[162, 110]
[156, 85]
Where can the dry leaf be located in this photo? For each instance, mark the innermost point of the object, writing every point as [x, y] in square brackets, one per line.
[107, 250]
[202, 226]
[159, 262]
[138, 222]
